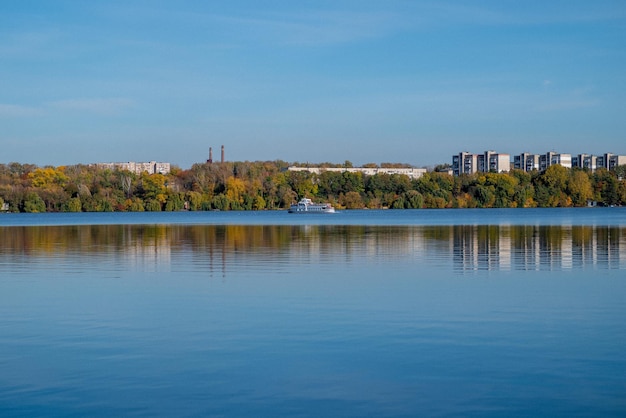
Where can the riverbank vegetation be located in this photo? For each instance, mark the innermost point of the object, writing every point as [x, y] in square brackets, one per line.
[269, 185]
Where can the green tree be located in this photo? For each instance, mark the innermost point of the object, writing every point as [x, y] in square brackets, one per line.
[153, 189]
[34, 204]
[220, 202]
[551, 187]
[152, 205]
[302, 183]
[351, 200]
[259, 203]
[606, 187]
[195, 200]
[73, 205]
[174, 202]
[413, 199]
[579, 188]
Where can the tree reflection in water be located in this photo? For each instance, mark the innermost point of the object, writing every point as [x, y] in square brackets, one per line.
[462, 248]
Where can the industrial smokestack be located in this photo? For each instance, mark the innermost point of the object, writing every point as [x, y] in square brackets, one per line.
[222, 153]
[210, 160]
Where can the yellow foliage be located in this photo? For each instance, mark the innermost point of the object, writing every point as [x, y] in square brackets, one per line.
[235, 189]
[46, 177]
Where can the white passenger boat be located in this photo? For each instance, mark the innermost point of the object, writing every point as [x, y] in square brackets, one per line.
[307, 206]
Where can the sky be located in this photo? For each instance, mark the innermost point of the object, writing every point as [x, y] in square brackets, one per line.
[366, 81]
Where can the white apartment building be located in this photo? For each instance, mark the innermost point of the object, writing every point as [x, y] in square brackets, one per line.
[586, 161]
[489, 161]
[412, 173]
[151, 167]
[464, 163]
[561, 159]
[610, 161]
[529, 162]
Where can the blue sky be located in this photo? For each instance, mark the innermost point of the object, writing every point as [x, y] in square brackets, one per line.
[360, 80]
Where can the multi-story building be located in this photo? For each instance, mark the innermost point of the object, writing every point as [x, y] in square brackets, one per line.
[561, 159]
[532, 162]
[489, 161]
[466, 163]
[498, 163]
[615, 160]
[412, 173]
[526, 161]
[545, 160]
[586, 161]
[151, 167]
[519, 161]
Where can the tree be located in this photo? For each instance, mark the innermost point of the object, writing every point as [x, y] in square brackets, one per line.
[413, 199]
[302, 183]
[126, 182]
[33, 203]
[259, 203]
[235, 190]
[174, 202]
[485, 195]
[220, 202]
[194, 199]
[579, 188]
[351, 200]
[152, 205]
[551, 187]
[48, 177]
[606, 187]
[442, 168]
[73, 205]
[153, 190]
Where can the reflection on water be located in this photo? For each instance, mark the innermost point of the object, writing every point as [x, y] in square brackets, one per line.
[461, 248]
[538, 247]
[385, 321]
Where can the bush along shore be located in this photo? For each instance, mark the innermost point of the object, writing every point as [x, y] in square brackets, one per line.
[268, 185]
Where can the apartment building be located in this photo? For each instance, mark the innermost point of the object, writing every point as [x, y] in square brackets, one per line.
[412, 173]
[151, 167]
[586, 161]
[489, 161]
[464, 163]
[610, 161]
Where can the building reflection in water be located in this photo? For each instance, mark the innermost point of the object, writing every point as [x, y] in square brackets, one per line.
[218, 248]
[538, 247]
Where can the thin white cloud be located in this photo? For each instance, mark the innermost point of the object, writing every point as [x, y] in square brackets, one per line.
[499, 13]
[319, 28]
[567, 104]
[31, 44]
[101, 106]
[17, 111]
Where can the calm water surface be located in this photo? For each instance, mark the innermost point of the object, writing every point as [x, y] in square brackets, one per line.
[363, 313]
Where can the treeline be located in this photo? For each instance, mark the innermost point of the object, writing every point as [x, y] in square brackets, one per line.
[269, 185]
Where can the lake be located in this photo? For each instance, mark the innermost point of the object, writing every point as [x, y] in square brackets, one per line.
[361, 313]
